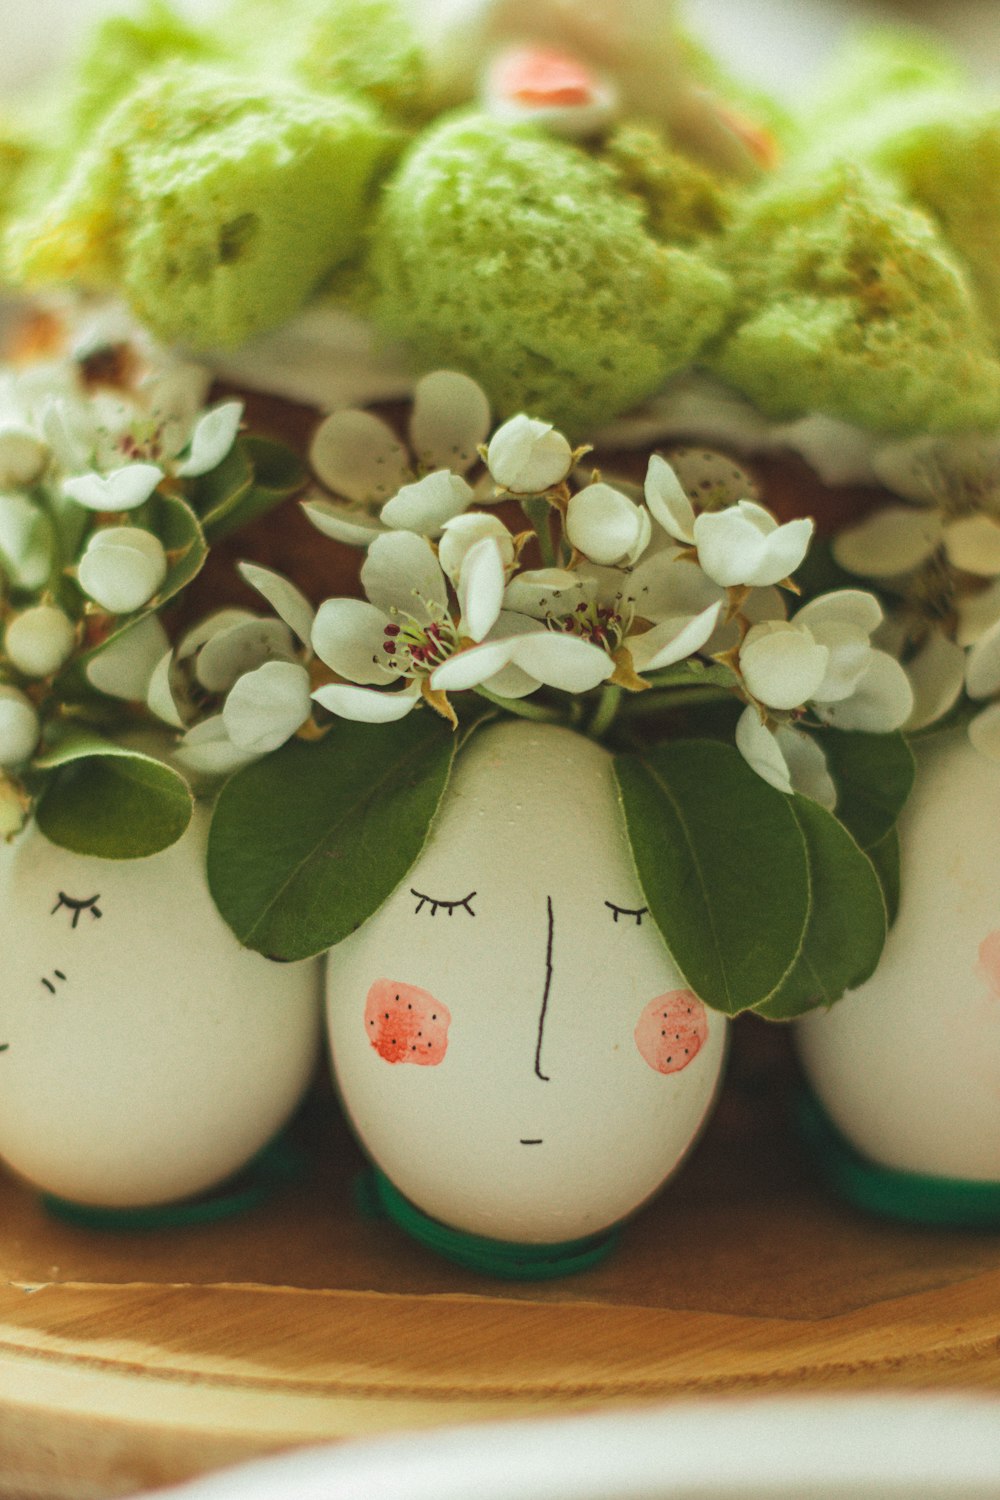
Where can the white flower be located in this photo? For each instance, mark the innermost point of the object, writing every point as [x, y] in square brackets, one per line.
[782, 664]
[786, 758]
[405, 636]
[19, 727]
[982, 670]
[124, 667]
[212, 438]
[745, 545]
[607, 527]
[890, 542]
[122, 568]
[122, 489]
[357, 456]
[265, 707]
[667, 500]
[26, 542]
[23, 455]
[527, 457]
[39, 640]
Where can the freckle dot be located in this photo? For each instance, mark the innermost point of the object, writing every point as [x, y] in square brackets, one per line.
[669, 1059]
[387, 1015]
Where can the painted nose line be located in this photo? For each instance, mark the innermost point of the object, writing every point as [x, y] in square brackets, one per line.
[545, 995]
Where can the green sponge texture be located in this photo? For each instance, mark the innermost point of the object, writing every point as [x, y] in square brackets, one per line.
[850, 304]
[367, 47]
[217, 206]
[519, 260]
[684, 201]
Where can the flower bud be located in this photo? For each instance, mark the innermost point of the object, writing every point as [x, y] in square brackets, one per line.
[39, 640]
[23, 456]
[19, 727]
[528, 457]
[122, 568]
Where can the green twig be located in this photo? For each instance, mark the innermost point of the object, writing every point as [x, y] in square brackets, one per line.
[539, 514]
[521, 709]
[606, 711]
[642, 705]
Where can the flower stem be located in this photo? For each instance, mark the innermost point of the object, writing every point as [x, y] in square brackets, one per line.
[522, 709]
[606, 712]
[539, 514]
[657, 700]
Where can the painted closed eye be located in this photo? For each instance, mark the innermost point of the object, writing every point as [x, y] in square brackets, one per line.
[449, 906]
[71, 904]
[635, 912]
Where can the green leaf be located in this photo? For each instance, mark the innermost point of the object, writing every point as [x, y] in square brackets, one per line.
[874, 776]
[847, 923]
[105, 800]
[255, 476]
[885, 857]
[722, 862]
[306, 844]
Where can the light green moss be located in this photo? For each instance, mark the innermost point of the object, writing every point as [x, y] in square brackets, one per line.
[850, 304]
[519, 260]
[217, 206]
[684, 202]
[367, 47]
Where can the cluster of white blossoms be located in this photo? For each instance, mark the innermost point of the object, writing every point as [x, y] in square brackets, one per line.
[938, 558]
[633, 584]
[81, 457]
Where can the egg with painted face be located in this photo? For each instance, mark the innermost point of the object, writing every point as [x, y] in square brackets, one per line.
[908, 1066]
[146, 1056]
[511, 1039]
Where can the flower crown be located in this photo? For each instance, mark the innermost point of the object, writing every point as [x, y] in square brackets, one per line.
[754, 717]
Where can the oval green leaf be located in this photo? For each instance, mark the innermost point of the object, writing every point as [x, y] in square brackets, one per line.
[110, 802]
[874, 775]
[722, 863]
[306, 844]
[847, 923]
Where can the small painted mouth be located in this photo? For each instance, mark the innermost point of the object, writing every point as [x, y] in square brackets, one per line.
[537, 1142]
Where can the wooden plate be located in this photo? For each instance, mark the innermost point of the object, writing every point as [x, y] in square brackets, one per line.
[129, 1360]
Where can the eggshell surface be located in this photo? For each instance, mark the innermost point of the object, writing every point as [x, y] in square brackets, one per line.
[146, 1055]
[908, 1066]
[492, 1025]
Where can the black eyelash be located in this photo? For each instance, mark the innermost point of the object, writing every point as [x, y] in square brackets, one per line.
[449, 906]
[625, 911]
[78, 907]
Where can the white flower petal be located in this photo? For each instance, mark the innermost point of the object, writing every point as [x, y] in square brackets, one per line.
[39, 640]
[937, 674]
[284, 598]
[428, 504]
[213, 437]
[365, 705]
[511, 681]
[351, 524]
[854, 607]
[528, 457]
[450, 419]
[605, 526]
[122, 568]
[665, 585]
[671, 641]
[781, 664]
[544, 593]
[208, 751]
[349, 636]
[125, 667]
[806, 766]
[481, 588]
[973, 545]
[23, 456]
[562, 661]
[912, 468]
[984, 732]
[977, 613]
[122, 489]
[68, 428]
[401, 573]
[882, 701]
[667, 501]
[212, 625]
[26, 542]
[892, 541]
[160, 696]
[19, 727]
[266, 707]
[463, 532]
[761, 751]
[243, 647]
[982, 670]
[356, 455]
[467, 669]
[745, 545]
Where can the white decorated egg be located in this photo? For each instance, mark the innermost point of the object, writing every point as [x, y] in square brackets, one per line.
[511, 1039]
[146, 1056]
[908, 1066]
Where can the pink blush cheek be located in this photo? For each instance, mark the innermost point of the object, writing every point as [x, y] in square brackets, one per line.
[989, 961]
[672, 1031]
[405, 1024]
